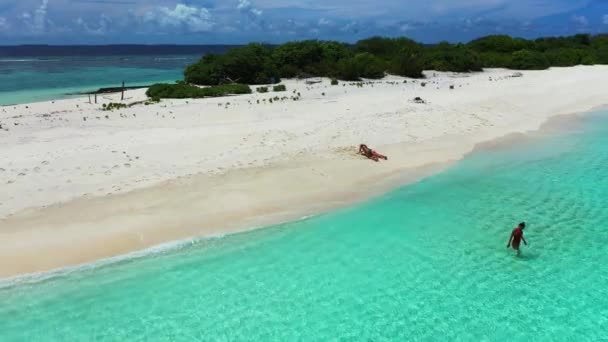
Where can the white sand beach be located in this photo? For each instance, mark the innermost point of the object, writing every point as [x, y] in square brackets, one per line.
[79, 184]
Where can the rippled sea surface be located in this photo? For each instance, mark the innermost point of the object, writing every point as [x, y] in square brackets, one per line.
[32, 79]
[426, 262]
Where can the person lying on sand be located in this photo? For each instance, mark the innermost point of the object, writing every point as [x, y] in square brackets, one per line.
[371, 154]
[517, 235]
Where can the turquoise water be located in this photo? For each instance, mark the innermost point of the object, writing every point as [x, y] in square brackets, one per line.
[24, 80]
[426, 262]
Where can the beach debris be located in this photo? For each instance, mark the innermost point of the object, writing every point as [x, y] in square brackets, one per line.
[452, 86]
[418, 99]
[313, 82]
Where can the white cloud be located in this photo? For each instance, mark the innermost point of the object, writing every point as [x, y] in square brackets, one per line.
[193, 19]
[605, 19]
[352, 26]
[245, 6]
[405, 27]
[325, 22]
[580, 20]
[37, 22]
[4, 25]
[40, 17]
[102, 25]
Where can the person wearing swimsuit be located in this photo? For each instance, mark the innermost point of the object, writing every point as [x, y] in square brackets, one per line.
[517, 235]
[371, 154]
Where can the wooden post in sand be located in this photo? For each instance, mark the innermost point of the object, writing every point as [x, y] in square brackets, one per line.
[122, 95]
[95, 98]
[89, 98]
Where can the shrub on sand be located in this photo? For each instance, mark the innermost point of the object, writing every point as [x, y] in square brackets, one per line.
[280, 87]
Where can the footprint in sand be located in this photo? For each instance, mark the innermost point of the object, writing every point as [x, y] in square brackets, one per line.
[45, 163]
[21, 174]
[127, 165]
[107, 173]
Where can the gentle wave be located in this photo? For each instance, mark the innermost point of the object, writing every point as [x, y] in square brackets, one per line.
[171, 246]
[171, 58]
[31, 278]
[28, 60]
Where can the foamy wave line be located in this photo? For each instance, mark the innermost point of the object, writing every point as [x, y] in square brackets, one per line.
[170, 58]
[28, 60]
[36, 277]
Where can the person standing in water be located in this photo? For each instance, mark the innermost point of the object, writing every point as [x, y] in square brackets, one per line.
[517, 235]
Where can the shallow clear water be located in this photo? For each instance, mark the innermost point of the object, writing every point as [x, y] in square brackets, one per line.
[28, 79]
[426, 262]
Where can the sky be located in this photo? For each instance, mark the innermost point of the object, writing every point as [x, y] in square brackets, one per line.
[275, 21]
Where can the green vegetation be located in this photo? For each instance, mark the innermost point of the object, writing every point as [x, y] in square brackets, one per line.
[262, 89]
[113, 105]
[183, 90]
[280, 87]
[373, 57]
[334, 82]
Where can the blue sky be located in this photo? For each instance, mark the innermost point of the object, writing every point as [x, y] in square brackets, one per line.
[238, 21]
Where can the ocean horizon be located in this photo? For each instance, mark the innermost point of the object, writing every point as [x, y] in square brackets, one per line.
[427, 261]
[34, 73]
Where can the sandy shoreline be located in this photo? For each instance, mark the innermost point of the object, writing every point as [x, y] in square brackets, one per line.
[78, 186]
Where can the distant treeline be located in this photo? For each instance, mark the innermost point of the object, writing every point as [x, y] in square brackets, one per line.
[372, 58]
[109, 50]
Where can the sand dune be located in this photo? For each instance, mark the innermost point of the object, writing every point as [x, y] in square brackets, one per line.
[79, 183]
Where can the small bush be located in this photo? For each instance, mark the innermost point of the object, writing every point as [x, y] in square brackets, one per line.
[280, 87]
[113, 105]
[262, 89]
[334, 82]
